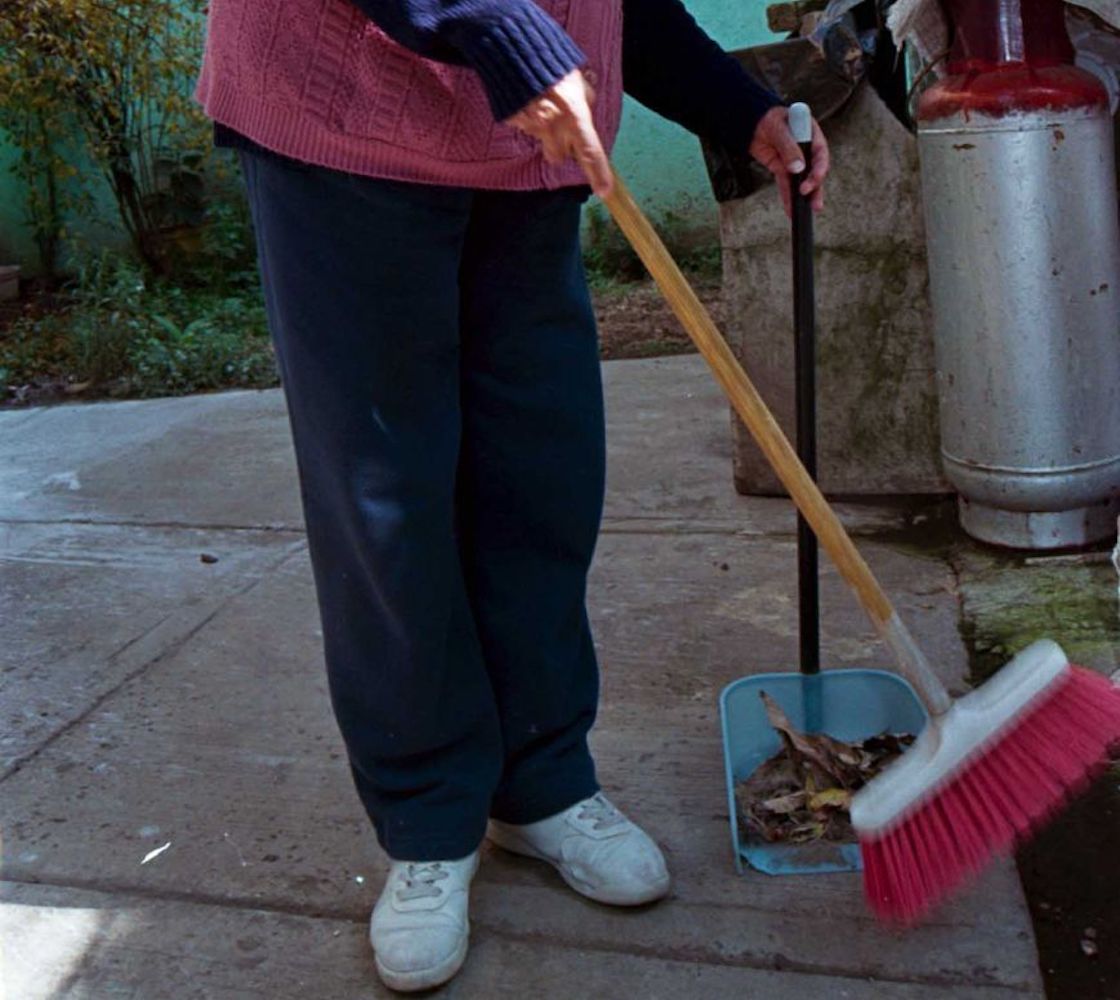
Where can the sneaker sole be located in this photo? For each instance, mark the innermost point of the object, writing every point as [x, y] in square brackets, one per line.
[424, 979]
[515, 844]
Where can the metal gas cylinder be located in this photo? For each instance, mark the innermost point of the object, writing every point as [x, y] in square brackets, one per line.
[1018, 182]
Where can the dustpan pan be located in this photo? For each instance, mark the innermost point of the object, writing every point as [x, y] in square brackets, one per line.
[850, 704]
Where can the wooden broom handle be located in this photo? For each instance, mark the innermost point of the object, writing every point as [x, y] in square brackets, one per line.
[774, 444]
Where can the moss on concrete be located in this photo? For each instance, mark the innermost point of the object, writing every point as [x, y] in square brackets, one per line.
[1011, 599]
[1008, 603]
[877, 332]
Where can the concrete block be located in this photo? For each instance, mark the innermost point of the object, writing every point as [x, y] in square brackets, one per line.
[877, 398]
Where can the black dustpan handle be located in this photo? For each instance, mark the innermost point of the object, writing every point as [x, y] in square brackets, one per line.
[804, 317]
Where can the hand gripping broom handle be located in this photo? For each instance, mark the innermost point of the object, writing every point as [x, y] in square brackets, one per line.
[775, 446]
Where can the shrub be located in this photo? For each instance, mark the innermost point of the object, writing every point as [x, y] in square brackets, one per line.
[122, 331]
[117, 74]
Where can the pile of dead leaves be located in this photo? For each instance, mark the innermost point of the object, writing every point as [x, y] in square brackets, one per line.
[802, 793]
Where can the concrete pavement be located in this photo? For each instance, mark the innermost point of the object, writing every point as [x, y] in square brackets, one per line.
[149, 697]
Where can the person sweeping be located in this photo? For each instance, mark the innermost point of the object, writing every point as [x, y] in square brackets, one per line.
[415, 171]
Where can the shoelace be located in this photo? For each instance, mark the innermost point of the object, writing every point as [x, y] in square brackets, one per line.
[420, 880]
[602, 814]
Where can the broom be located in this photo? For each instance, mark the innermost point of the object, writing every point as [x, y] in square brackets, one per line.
[987, 768]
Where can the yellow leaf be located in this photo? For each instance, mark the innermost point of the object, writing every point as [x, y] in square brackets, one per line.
[833, 798]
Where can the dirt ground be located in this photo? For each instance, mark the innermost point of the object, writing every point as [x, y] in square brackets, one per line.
[1071, 874]
[635, 322]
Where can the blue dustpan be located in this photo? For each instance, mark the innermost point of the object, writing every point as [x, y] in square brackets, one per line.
[848, 704]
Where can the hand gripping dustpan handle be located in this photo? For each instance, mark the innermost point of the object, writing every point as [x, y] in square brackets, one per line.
[775, 446]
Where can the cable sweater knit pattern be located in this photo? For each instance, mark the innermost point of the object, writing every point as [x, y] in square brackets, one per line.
[318, 81]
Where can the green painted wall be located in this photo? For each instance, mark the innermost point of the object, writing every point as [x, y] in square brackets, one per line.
[661, 162]
[16, 244]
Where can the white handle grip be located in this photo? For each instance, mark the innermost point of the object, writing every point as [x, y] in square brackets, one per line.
[801, 122]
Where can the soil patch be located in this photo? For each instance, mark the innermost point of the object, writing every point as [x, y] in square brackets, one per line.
[1071, 874]
[635, 322]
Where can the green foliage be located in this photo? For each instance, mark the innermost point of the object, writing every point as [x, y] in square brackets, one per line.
[118, 328]
[208, 353]
[227, 257]
[45, 175]
[703, 260]
[105, 316]
[609, 259]
[116, 74]
[120, 331]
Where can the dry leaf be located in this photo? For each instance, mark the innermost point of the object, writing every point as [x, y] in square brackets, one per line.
[831, 798]
[806, 832]
[830, 757]
[803, 792]
[785, 803]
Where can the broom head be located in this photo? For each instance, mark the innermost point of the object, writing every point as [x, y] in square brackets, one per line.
[979, 778]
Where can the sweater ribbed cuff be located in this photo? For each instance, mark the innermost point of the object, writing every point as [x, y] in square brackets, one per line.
[518, 55]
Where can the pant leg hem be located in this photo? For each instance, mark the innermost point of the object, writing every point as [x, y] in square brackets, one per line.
[450, 849]
[540, 807]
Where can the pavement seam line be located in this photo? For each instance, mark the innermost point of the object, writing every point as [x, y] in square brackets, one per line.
[777, 963]
[90, 522]
[615, 525]
[20, 762]
[648, 525]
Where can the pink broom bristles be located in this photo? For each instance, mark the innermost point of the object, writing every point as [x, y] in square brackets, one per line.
[1017, 782]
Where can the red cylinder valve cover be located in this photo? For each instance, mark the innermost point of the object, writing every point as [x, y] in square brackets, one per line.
[1009, 55]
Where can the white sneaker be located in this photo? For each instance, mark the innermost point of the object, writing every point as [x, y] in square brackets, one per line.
[419, 928]
[596, 849]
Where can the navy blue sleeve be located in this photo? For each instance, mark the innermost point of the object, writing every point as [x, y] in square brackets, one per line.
[513, 45]
[670, 65]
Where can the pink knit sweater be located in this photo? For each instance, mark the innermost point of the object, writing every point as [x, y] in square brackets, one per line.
[317, 81]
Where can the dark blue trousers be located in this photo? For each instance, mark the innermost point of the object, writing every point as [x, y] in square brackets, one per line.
[439, 356]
